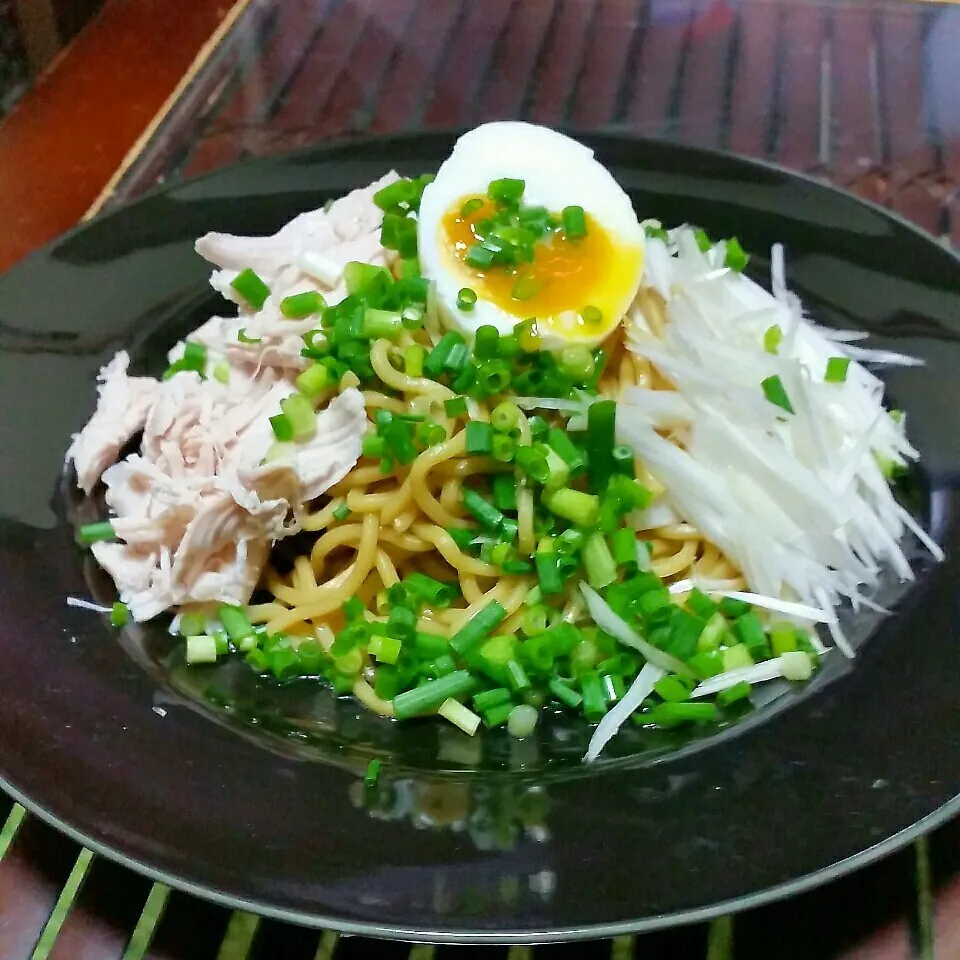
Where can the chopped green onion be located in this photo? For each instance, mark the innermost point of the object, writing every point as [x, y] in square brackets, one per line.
[353, 609]
[455, 406]
[504, 448]
[298, 306]
[282, 428]
[772, 339]
[735, 259]
[479, 437]
[413, 357]
[574, 223]
[703, 241]
[739, 691]
[251, 288]
[565, 694]
[482, 510]
[700, 604]
[389, 649]
[601, 429]
[594, 701]
[431, 694]
[774, 391]
[201, 649]
[314, 380]
[119, 614]
[576, 362]
[732, 608]
[672, 688]
[522, 721]
[235, 621]
[95, 532]
[396, 194]
[528, 336]
[517, 676]
[736, 657]
[534, 464]
[582, 509]
[486, 343]
[497, 716]
[299, 411]
[713, 634]
[437, 359]
[372, 773]
[548, 572]
[836, 370]
[623, 546]
[566, 449]
[491, 698]
[243, 338]
[221, 371]
[459, 715]
[751, 633]
[470, 207]
[783, 638]
[507, 190]
[669, 714]
[466, 301]
[341, 513]
[591, 316]
[477, 628]
[478, 256]
[598, 562]
[526, 287]
[504, 416]
[358, 276]
[493, 376]
[505, 491]
[434, 592]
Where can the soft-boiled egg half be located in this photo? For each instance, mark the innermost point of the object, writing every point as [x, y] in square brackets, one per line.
[521, 222]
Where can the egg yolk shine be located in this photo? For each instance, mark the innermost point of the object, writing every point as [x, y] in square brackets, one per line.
[567, 275]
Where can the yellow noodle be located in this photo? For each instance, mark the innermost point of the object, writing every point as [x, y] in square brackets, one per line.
[357, 477]
[262, 612]
[322, 518]
[386, 569]
[448, 548]
[380, 401]
[368, 697]
[384, 369]
[418, 480]
[316, 603]
[304, 571]
[678, 562]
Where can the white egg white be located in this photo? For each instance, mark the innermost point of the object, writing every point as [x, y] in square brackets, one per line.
[558, 172]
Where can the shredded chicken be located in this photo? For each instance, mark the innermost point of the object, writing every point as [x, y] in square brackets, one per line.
[197, 508]
[122, 408]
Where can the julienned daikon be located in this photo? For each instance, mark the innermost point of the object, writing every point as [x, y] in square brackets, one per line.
[776, 444]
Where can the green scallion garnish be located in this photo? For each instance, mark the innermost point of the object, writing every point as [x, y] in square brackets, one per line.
[775, 392]
[836, 370]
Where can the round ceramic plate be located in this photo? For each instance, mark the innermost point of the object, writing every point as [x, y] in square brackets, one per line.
[251, 793]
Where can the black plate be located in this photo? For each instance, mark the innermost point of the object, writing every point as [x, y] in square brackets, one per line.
[251, 795]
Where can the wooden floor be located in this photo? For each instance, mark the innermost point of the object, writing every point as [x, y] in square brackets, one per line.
[64, 139]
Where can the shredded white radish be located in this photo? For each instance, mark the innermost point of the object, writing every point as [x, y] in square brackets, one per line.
[640, 689]
[81, 604]
[788, 607]
[786, 665]
[795, 498]
[606, 619]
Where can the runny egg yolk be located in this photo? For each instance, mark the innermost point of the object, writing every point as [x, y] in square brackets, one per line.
[565, 276]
